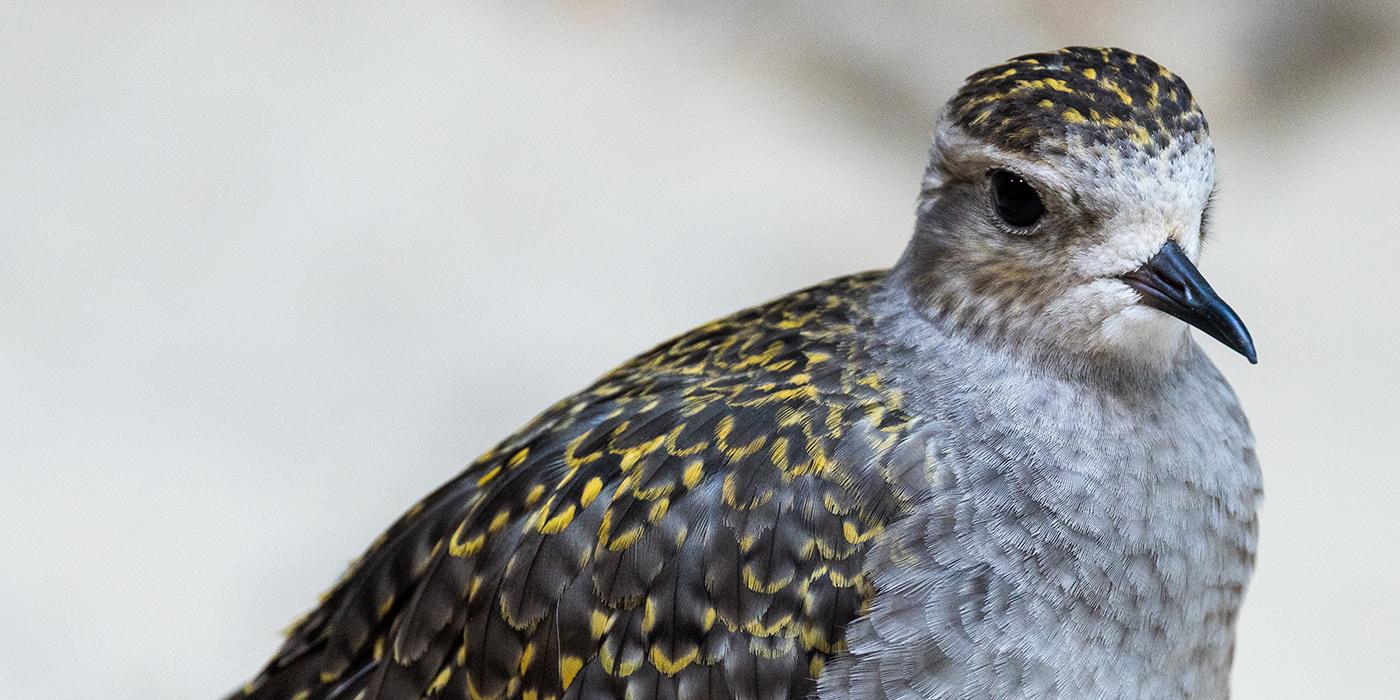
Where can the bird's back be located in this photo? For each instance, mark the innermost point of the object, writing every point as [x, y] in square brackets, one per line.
[693, 525]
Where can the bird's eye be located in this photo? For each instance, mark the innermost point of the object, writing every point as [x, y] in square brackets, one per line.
[1016, 202]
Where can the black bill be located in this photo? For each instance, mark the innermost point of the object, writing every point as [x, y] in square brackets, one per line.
[1170, 283]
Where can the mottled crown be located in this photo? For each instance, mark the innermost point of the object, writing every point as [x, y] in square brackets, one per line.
[1040, 102]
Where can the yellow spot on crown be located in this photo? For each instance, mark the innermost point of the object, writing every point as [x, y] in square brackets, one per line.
[1120, 92]
[1073, 116]
[1090, 73]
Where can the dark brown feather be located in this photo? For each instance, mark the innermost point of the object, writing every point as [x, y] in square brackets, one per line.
[694, 525]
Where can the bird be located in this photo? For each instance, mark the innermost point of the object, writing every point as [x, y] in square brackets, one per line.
[1000, 468]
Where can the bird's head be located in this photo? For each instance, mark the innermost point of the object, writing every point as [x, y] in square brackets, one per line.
[1064, 206]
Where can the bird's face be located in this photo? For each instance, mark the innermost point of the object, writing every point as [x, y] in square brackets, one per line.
[1064, 206]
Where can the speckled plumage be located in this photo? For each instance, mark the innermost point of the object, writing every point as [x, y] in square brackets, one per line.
[990, 472]
[1104, 95]
[693, 525]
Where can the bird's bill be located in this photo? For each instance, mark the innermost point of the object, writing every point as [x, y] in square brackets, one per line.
[1169, 282]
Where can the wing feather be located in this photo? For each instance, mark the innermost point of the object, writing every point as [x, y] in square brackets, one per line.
[694, 525]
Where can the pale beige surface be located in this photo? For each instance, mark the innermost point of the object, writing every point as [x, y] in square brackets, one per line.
[269, 273]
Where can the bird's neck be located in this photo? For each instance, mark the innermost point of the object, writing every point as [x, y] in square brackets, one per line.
[916, 320]
[1134, 495]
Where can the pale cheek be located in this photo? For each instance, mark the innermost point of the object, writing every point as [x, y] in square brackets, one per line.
[1126, 250]
[1087, 305]
[1140, 327]
[1140, 331]
[1108, 314]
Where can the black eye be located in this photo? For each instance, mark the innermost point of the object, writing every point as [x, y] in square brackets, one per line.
[1015, 200]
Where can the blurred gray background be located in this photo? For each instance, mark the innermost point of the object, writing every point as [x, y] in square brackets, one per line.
[270, 272]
